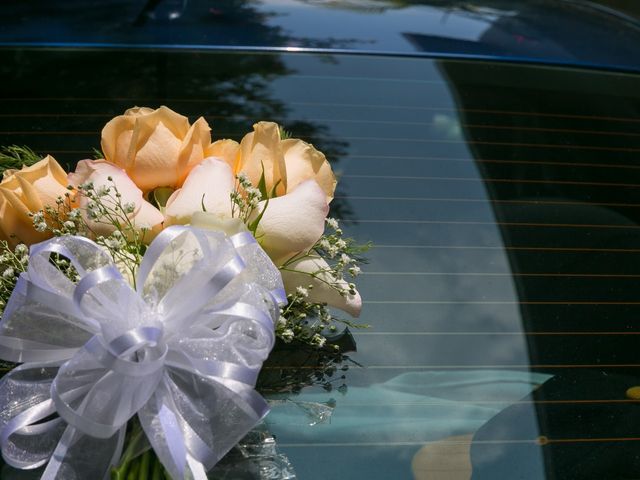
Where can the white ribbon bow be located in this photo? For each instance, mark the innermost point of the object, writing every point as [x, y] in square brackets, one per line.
[182, 351]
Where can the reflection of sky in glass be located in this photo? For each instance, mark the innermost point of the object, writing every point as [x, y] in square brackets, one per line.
[439, 296]
[412, 289]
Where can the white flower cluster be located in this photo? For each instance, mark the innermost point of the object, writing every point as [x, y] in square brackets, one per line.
[344, 253]
[245, 198]
[12, 263]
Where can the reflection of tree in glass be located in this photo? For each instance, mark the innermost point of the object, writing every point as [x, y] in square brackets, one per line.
[87, 87]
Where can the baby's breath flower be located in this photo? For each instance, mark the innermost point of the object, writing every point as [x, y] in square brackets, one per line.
[242, 178]
[303, 292]
[318, 340]
[8, 272]
[74, 214]
[332, 223]
[102, 191]
[287, 335]
[253, 192]
[38, 217]
[112, 243]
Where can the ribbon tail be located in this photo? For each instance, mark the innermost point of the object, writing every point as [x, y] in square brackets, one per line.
[178, 446]
[197, 469]
[161, 427]
[81, 456]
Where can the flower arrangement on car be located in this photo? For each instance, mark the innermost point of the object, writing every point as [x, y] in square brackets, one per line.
[143, 292]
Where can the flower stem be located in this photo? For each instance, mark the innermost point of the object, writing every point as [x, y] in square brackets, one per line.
[127, 461]
[135, 468]
[144, 465]
[157, 473]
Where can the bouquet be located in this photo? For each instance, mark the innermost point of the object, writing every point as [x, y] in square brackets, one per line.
[142, 294]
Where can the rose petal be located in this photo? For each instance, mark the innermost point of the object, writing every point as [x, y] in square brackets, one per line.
[292, 223]
[303, 162]
[226, 150]
[45, 181]
[210, 184]
[260, 152]
[114, 146]
[177, 124]
[15, 225]
[304, 272]
[212, 221]
[193, 146]
[155, 162]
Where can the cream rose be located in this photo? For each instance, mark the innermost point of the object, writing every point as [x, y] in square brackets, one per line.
[312, 270]
[25, 192]
[157, 148]
[104, 174]
[291, 223]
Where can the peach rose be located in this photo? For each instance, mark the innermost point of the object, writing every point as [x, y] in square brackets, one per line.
[27, 191]
[157, 148]
[286, 163]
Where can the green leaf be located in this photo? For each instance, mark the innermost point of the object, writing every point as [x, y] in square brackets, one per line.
[273, 190]
[284, 134]
[97, 154]
[253, 226]
[262, 184]
[159, 196]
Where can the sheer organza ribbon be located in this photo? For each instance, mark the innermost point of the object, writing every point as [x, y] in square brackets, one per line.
[182, 350]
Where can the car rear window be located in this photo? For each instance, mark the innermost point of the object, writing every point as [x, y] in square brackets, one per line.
[502, 201]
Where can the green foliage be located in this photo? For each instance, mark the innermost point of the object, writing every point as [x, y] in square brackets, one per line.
[284, 134]
[16, 156]
[97, 154]
[159, 197]
[13, 261]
